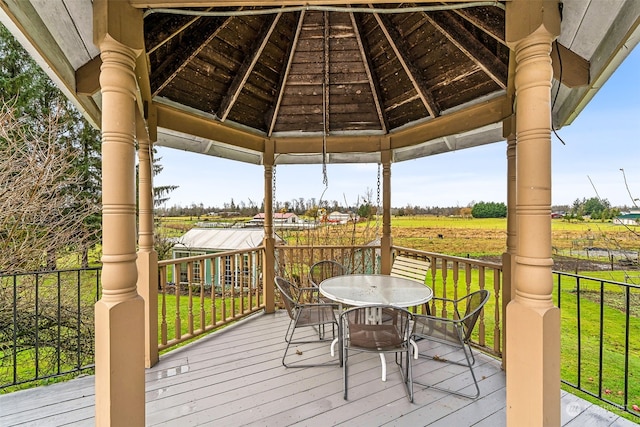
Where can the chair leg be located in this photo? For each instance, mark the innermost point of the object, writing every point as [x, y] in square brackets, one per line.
[409, 378]
[289, 340]
[286, 336]
[473, 358]
[406, 372]
[344, 370]
[470, 361]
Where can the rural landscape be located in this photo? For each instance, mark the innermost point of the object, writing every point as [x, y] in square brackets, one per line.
[144, 313]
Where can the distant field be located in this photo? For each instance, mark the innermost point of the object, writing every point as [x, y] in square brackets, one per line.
[487, 237]
[455, 236]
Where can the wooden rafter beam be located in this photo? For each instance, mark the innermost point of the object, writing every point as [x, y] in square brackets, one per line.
[168, 70]
[247, 66]
[495, 33]
[175, 33]
[398, 45]
[457, 34]
[285, 75]
[366, 60]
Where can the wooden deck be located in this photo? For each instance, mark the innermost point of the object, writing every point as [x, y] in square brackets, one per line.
[235, 377]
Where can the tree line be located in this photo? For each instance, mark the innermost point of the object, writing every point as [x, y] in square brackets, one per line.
[593, 208]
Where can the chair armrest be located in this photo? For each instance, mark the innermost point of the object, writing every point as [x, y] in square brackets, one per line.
[437, 318]
[312, 292]
[434, 327]
[443, 299]
[332, 305]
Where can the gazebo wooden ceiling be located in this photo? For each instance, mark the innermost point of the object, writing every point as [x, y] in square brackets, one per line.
[323, 81]
[326, 70]
[328, 82]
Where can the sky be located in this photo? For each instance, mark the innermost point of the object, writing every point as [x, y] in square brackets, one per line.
[602, 140]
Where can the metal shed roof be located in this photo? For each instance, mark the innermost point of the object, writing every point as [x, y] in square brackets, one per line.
[221, 239]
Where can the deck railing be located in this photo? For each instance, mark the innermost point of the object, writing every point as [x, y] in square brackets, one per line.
[454, 277]
[201, 293]
[600, 338]
[293, 262]
[46, 324]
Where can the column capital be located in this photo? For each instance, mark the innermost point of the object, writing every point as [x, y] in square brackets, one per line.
[117, 20]
[525, 18]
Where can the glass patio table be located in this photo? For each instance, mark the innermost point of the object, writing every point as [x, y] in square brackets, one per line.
[366, 289]
[369, 289]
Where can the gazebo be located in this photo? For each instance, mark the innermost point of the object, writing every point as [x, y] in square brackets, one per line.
[298, 82]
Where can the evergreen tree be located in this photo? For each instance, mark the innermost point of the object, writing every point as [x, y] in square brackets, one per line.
[489, 210]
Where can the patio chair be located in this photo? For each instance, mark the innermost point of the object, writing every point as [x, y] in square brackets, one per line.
[302, 315]
[410, 268]
[454, 332]
[323, 270]
[378, 329]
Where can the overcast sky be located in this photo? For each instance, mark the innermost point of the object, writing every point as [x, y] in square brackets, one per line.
[604, 139]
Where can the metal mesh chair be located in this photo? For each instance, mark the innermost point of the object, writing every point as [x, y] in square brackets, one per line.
[378, 329]
[455, 332]
[315, 315]
[322, 270]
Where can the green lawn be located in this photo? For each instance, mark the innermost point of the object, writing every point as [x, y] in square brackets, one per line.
[611, 383]
[202, 316]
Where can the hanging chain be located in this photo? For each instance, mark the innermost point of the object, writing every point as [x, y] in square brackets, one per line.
[273, 190]
[378, 199]
[325, 178]
[378, 203]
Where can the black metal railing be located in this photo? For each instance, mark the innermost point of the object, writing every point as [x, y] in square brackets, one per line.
[46, 324]
[600, 338]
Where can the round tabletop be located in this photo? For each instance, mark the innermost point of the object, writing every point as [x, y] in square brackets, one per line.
[367, 289]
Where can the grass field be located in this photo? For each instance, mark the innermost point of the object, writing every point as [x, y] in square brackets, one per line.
[487, 237]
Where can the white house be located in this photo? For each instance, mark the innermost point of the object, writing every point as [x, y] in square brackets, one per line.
[631, 218]
[278, 219]
[341, 218]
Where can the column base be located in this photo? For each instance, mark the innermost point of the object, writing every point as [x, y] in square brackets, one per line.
[147, 263]
[533, 365]
[120, 388]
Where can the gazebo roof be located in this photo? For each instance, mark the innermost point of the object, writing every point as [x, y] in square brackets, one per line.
[325, 81]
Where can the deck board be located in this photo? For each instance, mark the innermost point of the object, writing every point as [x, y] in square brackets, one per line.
[235, 377]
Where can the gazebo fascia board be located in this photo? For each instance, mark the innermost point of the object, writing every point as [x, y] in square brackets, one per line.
[187, 123]
[473, 117]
